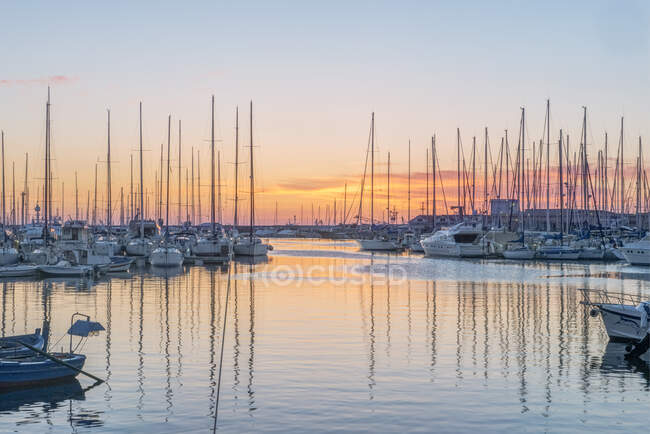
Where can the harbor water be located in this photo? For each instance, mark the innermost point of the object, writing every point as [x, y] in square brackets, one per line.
[322, 337]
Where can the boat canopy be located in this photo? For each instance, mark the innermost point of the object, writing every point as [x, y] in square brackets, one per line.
[83, 328]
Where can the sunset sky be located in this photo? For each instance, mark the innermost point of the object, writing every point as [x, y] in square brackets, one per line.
[315, 71]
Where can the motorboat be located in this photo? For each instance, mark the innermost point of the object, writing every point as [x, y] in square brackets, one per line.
[638, 252]
[246, 246]
[10, 346]
[18, 270]
[624, 316]
[461, 241]
[166, 256]
[64, 268]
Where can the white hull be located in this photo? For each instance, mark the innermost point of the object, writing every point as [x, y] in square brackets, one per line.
[636, 255]
[18, 271]
[521, 254]
[624, 322]
[166, 257]
[219, 247]
[453, 250]
[63, 271]
[245, 248]
[137, 247]
[558, 253]
[592, 254]
[378, 245]
[8, 255]
[417, 247]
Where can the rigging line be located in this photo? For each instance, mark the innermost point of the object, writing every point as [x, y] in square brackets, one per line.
[223, 341]
[442, 185]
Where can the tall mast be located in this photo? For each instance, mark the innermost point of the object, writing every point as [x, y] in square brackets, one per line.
[46, 204]
[372, 170]
[219, 208]
[473, 173]
[212, 201]
[388, 188]
[507, 166]
[622, 186]
[345, 205]
[548, 163]
[187, 194]
[606, 186]
[160, 186]
[235, 216]
[520, 181]
[76, 197]
[94, 215]
[179, 173]
[460, 210]
[13, 193]
[141, 180]
[169, 130]
[426, 201]
[131, 197]
[561, 189]
[485, 176]
[433, 173]
[193, 209]
[24, 204]
[252, 176]
[109, 190]
[4, 221]
[409, 186]
[638, 187]
[198, 185]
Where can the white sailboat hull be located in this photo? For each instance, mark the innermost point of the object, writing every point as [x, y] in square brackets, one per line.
[520, 254]
[166, 257]
[246, 248]
[636, 255]
[378, 245]
[139, 247]
[558, 253]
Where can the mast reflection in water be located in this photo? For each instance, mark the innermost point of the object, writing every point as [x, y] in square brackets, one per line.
[339, 341]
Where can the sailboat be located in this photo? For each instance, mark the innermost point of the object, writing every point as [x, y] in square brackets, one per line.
[140, 246]
[214, 246]
[8, 254]
[251, 245]
[166, 255]
[378, 241]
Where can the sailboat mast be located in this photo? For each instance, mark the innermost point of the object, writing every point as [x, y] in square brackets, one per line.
[485, 176]
[252, 176]
[179, 174]
[433, 175]
[169, 129]
[235, 216]
[548, 165]
[460, 210]
[46, 205]
[212, 204]
[561, 189]
[219, 207]
[426, 199]
[388, 189]
[4, 221]
[193, 197]
[76, 197]
[141, 181]
[622, 186]
[409, 185]
[372, 170]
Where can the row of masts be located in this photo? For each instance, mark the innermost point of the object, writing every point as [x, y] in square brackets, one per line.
[585, 192]
[522, 177]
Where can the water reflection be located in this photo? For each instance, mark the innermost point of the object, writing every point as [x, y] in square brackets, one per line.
[327, 353]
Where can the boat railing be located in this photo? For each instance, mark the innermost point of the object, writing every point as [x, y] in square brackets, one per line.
[596, 297]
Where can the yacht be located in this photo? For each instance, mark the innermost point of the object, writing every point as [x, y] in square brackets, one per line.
[379, 242]
[638, 252]
[461, 241]
[247, 246]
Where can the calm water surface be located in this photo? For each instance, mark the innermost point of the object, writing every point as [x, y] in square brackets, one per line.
[323, 337]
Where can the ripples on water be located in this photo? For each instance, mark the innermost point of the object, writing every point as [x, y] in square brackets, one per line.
[323, 338]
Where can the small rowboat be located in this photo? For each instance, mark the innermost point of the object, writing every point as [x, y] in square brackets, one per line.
[64, 268]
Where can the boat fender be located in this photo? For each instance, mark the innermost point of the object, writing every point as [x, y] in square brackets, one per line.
[594, 313]
[270, 247]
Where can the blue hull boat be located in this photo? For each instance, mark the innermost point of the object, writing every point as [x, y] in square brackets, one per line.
[38, 370]
[10, 346]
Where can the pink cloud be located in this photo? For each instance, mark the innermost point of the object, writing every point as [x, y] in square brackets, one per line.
[52, 79]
